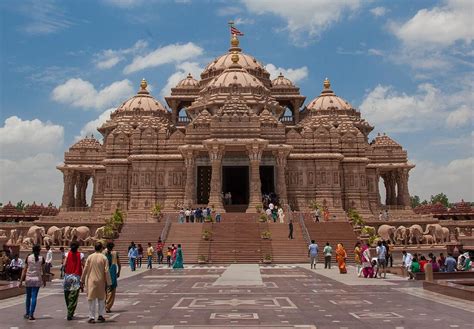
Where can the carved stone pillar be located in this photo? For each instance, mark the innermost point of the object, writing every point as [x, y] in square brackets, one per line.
[69, 179]
[216, 152]
[390, 192]
[77, 190]
[403, 197]
[189, 192]
[393, 188]
[255, 196]
[281, 160]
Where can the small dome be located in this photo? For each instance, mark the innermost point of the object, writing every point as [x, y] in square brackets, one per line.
[328, 100]
[384, 141]
[188, 82]
[90, 143]
[142, 101]
[282, 82]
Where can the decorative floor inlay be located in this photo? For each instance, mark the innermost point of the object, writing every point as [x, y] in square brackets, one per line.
[329, 291]
[376, 315]
[217, 303]
[234, 316]
[206, 285]
[350, 302]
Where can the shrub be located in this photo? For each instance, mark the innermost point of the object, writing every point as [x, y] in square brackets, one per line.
[266, 235]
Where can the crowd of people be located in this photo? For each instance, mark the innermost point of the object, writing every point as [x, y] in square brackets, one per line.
[198, 215]
[174, 255]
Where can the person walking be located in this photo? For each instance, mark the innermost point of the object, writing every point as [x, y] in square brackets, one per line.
[367, 268]
[317, 215]
[178, 263]
[115, 267]
[406, 262]
[341, 257]
[381, 260]
[159, 250]
[33, 276]
[290, 228]
[48, 261]
[63, 256]
[327, 251]
[218, 217]
[132, 256]
[96, 277]
[358, 258]
[149, 256]
[140, 255]
[73, 264]
[187, 214]
[313, 253]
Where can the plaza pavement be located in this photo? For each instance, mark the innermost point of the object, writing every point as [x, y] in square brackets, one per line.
[253, 296]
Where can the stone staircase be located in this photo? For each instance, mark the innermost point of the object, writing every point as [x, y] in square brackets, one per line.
[139, 233]
[189, 236]
[286, 251]
[334, 233]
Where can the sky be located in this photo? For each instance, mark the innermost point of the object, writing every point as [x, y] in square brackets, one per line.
[66, 65]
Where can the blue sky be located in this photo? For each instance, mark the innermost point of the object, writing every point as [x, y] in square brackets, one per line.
[407, 65]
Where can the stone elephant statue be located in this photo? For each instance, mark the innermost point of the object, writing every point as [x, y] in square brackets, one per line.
[36, 233]
[66, 234]
[387, 232]
[401, 235]
[27, 243]
[56, 235]
[48, 240]
[427, 239]
[446, 237]
[3, 232]
[436, 231]
[415, 234]
[80, 234]
[99, 233]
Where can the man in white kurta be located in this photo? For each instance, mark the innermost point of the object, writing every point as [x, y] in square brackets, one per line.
[96, 278]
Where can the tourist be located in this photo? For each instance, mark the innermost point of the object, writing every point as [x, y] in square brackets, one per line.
[131, 245]
[73, 263]
[187, 213]
[414, 268]
[326, 214]
[181, 216]
[149, 256]
[159, 250]
[374, 270]
[191, 215]
[380, 216]
[381, 259]
[132, 256]
[327, 252]
[49, 260]
[433, 262]
[290, 229]
[15, 268]
[450, 263]
[422, 263]
[367, 267]
[341, 257]
[281, 215]
[178, 262]
[173, 253]
[313, 253]
[63, 256]
[96, 277]
[358, 258]
[169, 253]
[139, 255]
[385, 215]
[4, 261]
[317, 215]
[33, 276]
[274, 213]
[218, 217]
[441, 263]
[268, 212]
[407, 259]
[113, 262]
[388, 254]
[467, 264]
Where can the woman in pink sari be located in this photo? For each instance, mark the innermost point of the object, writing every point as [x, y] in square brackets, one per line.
[367, 269]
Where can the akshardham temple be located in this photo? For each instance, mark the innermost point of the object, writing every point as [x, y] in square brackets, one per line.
[236, 130]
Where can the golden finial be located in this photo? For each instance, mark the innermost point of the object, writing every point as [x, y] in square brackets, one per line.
[326, 83]
[143, 84]
[235, 57]
[234, 42]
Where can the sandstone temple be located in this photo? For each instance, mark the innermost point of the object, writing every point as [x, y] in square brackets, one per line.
[235, 130]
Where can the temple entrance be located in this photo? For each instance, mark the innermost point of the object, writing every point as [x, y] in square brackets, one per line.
[203, 184]
[235, 179]
[267, 179]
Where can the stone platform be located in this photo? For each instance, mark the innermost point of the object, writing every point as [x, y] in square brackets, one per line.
[290, 296]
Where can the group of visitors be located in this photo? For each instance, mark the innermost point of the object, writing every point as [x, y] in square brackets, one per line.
[341, 256]
[98, 274]
[269, 198]
[174, 255]
[10, 265]
[274, 212]
[198, 215]
[321, 214]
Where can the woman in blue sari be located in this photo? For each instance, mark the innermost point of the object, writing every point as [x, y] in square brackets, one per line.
[178, 263]
[114, 270]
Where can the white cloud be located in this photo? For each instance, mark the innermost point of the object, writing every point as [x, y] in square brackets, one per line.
[304, 16]
[455, 179]
[124, 3]
[375, 52]
[379, 11]
[20, 138]
[80, 93]
[294, 75]
[438, 27]
[228, 11]
[173, 53]
[91, 126]
[44, 17]
[244, 21]
[182, 71]
[460, 117]
[109, 58]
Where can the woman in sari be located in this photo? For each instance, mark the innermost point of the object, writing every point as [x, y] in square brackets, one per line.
[114, 270]
[358, 258]
[178, 263]
[341, 256]
[366, 265]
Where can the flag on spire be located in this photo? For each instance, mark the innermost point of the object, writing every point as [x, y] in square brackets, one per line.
[234, 30]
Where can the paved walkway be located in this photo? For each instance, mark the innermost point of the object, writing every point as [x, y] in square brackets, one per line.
[289, 296]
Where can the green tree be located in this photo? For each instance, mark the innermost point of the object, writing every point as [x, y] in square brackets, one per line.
[415, 201]
[440, 197]
[20, 205]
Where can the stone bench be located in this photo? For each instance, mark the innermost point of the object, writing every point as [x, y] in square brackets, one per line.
[446, 275]
[10, 289]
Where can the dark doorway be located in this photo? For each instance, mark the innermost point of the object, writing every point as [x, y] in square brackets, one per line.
[203, 184]
[267, 179]
[235, 180]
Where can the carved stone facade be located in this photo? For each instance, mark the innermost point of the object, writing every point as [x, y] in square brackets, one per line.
[235, 130]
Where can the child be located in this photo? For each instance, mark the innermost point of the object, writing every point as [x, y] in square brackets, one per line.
[168, 256]
[375, 269]
[415, 268]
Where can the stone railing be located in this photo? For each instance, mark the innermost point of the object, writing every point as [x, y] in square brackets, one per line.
[287, 120]
[183, 121]
[166, 228]
[304, 229]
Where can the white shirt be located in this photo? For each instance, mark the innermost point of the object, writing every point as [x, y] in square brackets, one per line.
[268, 212]
[187, 213]
[49, 256]
[381, 251]
[407, 259]
[16, 263]
[271, 206]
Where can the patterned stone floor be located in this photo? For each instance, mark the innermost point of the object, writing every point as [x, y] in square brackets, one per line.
[290, 296]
